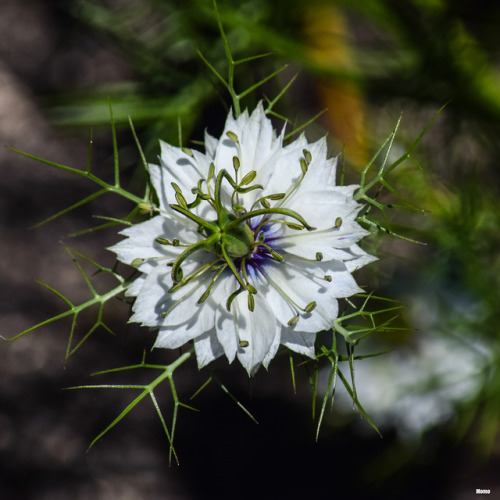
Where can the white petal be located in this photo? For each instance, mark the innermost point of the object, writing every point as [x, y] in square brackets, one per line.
[273, 348]
[135, 287]
[321, 207]
[185, 171]
[158, 179]
[292, 288]
[177, 336]
[333, 243]
[156, 306]
[258, 328]
[207, 348]
[210, 145]
[298, 341]
[226, 332]
[141, 242]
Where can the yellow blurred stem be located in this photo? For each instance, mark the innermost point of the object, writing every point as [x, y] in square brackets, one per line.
[326, 40]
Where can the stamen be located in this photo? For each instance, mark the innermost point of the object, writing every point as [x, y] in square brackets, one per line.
[232, 266]
[181, 200]
[292, 225]
[274, 254]
[163, 241]
[195, 274]
[136, 262]
[338, 222]
[294, 320]
[310, 307]
[232, 136]
[244, 343]
[293, 305]
[307, 156]
[277, 196]
[188, 152]
[248, 285]
[263, 200]
[328, 278]
[292, 189]
[319, 256]
[211, 172]
[303, 166]
[251, 302]
[206, 293]
[179, 196]
[236, 163]
[248, 178]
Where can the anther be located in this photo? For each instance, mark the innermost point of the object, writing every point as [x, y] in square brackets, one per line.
[163, 241]
[175, 242]
[176, 187]
[292, 225]
[211, 171]
[338, 222]
[232, 136]
[248, 178]
[251, 302]
[265, 203]
[277, 196]
[244, 343]
[188, 152]
[276, 256]
[303, 166]
[328, 278]
[310, 307]
[294, 320]
[236, 163]
[307, 156]
[181, 200]
[204, 296]
[136, 262]
[319, 256]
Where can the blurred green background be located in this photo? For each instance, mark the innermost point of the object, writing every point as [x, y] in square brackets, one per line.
[436, 397]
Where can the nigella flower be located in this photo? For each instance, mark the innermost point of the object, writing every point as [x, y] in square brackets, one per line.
[251, 247]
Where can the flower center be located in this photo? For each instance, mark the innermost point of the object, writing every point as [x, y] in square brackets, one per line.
[236, 237]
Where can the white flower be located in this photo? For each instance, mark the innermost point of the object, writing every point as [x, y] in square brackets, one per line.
[251, 248]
